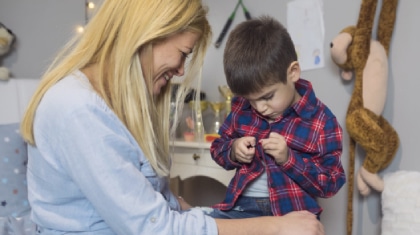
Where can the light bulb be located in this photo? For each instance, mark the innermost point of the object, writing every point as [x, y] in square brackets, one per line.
[80, 29]
[91, 5]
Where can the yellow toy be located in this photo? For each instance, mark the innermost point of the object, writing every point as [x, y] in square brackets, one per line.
[366, 59]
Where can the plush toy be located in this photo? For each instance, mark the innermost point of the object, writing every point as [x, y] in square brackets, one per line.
[7, 38]
[360, 56]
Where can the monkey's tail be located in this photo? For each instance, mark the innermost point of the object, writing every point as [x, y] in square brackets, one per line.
[350, 182]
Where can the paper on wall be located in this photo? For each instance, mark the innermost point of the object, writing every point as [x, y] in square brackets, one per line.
[305, 24]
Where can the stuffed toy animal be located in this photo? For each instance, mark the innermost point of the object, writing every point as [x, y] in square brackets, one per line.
[360, 56]
[7, 39]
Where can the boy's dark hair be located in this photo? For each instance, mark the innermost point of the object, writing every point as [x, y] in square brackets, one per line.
[257, 54]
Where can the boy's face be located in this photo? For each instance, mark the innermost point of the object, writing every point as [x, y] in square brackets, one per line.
[274, 99]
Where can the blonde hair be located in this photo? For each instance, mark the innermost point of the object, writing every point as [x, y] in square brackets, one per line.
[112, 41]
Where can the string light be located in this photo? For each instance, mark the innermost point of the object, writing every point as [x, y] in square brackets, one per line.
[80, 29]
[89, 7]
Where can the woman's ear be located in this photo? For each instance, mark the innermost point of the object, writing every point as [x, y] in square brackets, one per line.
[293, 72]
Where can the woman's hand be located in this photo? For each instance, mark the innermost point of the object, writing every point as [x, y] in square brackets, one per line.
[301, 223]
[293, 223]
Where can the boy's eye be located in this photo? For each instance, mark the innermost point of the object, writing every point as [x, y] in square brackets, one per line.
[268, 97]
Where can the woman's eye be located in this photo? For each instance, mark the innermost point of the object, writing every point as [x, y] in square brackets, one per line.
[185, 55]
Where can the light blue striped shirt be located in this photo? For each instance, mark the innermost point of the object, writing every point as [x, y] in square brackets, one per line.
[87, 174]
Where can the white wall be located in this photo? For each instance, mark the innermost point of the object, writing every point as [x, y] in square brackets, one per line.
[43, 26]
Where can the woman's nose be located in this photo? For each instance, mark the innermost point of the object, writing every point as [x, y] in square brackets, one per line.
[180, 70]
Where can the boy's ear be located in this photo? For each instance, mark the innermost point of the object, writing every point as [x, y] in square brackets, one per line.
[294, 71]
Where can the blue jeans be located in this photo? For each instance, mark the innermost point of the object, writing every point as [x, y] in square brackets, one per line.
[245, 207]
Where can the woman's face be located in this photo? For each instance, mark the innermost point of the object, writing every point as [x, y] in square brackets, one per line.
[169, 58]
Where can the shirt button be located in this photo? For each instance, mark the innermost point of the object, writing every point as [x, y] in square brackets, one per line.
[153, 219]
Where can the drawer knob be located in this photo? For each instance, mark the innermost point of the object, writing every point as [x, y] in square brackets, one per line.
[196, 156]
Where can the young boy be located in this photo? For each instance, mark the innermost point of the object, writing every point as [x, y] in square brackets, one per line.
[284, 143]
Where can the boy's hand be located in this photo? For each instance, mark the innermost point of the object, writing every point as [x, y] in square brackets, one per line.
[275, 145]
[243, 149]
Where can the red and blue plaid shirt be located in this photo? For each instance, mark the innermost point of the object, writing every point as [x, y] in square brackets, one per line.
[314, 168]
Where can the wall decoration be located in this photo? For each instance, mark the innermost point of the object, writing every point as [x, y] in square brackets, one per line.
[230, 20]
[305, 24]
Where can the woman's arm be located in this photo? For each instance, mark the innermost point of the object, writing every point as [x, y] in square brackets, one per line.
[294, 223]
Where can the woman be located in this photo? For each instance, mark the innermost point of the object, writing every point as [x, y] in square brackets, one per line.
[98, 128]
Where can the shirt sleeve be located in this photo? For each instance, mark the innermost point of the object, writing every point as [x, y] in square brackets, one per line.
[321, 175]
[221, 147]
[96, 151]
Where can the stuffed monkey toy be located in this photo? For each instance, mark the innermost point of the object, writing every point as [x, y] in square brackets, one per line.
[366, 59]
[6, 41]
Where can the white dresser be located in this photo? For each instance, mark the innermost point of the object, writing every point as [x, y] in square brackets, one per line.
[193, 159]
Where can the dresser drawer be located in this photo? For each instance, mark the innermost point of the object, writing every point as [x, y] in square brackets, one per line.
[197, 157]
[191, 159]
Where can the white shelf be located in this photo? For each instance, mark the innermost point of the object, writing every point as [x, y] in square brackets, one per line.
[192, 144]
